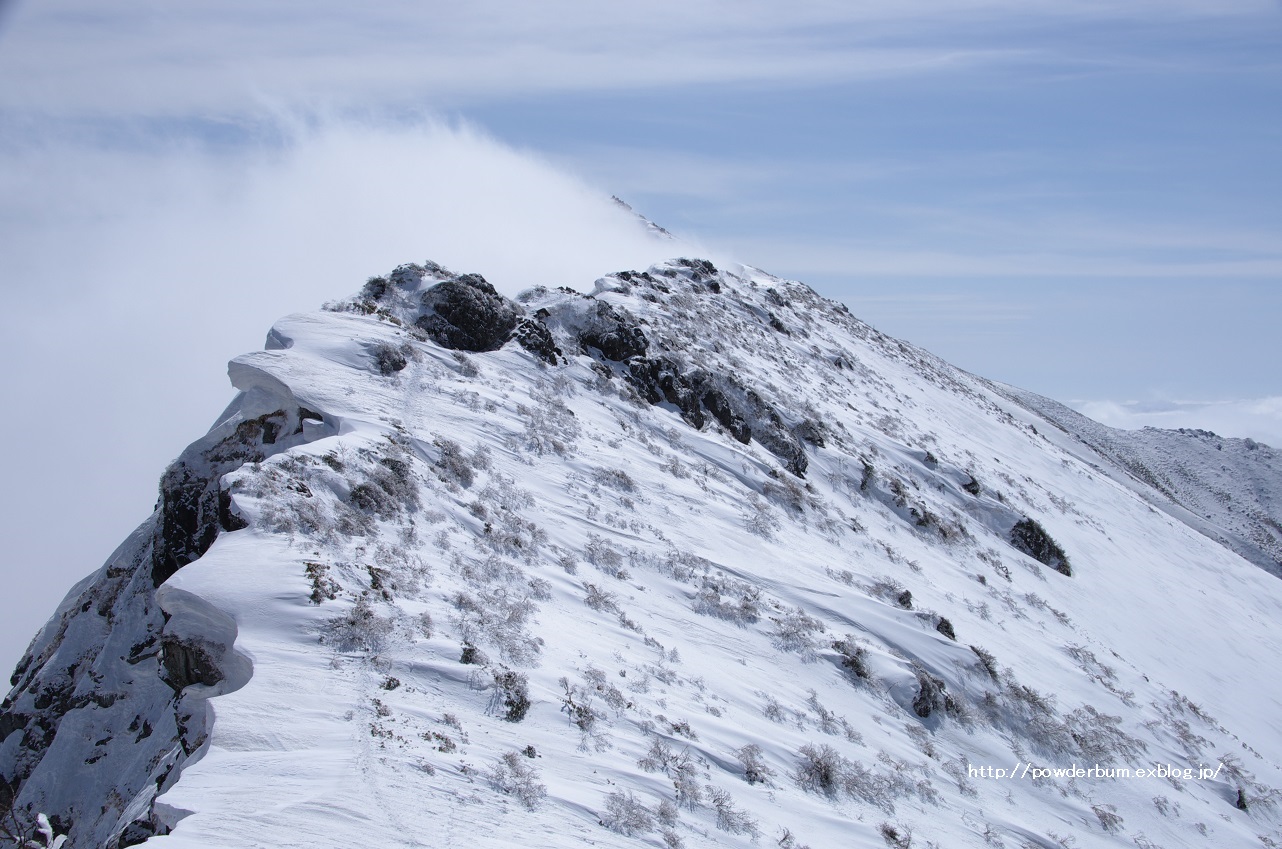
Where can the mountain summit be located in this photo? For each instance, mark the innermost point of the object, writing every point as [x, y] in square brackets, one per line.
[697, 559]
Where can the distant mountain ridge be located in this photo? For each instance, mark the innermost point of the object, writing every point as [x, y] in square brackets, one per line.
[694, 559]
[1227, 488]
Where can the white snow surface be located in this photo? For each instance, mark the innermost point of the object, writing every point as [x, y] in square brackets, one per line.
[670, 595]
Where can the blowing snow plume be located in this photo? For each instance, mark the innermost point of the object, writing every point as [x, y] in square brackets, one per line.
[158, 262]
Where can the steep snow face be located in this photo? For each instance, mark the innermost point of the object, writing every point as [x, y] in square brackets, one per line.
[697, 559]
[1229, 489]
[109, 700]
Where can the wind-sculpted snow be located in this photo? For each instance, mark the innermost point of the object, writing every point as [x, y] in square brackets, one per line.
[695, 559]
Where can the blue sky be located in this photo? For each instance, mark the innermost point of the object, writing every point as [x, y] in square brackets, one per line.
[1081, 198]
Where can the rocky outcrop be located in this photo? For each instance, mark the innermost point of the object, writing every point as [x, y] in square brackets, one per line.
[468, 314]
[111, 690]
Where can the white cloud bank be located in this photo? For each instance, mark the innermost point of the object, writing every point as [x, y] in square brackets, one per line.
[131, 277]
[1257, 418]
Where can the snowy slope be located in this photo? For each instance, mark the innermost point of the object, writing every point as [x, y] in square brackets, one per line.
[1229, 489]
[698, 559]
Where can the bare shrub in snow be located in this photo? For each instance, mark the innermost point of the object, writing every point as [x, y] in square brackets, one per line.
[755, 770]
[626, 815]
[794, 631]
[821, 769]
[323, 587]
[931, 697]
[453, 465]
[599, 599]
[986, 661]
[728, 598]
[680, 767]
[759, 518]
[606, 689]
[605, 557]
[514, 776]
[897, 837]
[1108, 818]
[788, 840]
[730, 818]
[854, 656]
[576, 704]
[498, 615]
[1099, 737]
[615, 479]
[359, 629]
[511, 694]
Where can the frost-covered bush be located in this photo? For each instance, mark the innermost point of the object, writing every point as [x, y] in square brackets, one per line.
[1108, 817]
[625, 814]
[604, 688]
[512, 775]
[794, 631]
[930, 697]
[388, 489]
[323, 587]
[897, 837]
[453, 465]
[986, 661]
[759, 518]
[599, 599]
[730, 818]
[680, 767]
[755, 770]
[511, 694]
[728, 598]
[854, 656]
[605, 557]
[821, 769]
[498, 616]
[359, 629]
[1031, 538]
[576, 704]
[389, 359]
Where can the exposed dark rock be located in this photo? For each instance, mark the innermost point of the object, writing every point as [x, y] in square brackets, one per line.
[768, 429]
[946, 628]
[614, 333]
[701, 270]
[468, 314]
[812, 432]
[227, 520]
[186, 662]
[660, 379]
[534, 336]
[724, 412]
[189, 520]
[191, 507]
[742, 412]
[905, 600]
[972, 486]
[1031, 538]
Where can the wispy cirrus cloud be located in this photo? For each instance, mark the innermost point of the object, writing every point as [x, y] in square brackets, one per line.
[76, 56]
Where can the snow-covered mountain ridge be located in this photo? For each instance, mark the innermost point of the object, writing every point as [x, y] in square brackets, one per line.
[698, 559]
[1228, 488]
